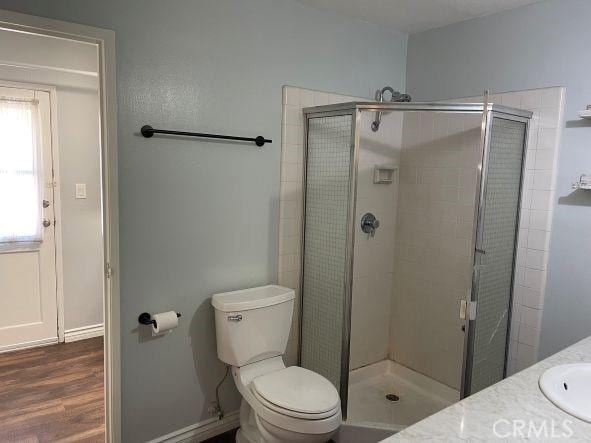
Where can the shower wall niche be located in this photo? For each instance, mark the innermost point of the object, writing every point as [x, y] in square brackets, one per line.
[420, 302]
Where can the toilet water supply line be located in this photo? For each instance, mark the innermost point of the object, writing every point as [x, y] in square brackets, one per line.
[220, 411]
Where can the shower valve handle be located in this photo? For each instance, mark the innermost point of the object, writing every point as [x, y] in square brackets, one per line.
[369, 224]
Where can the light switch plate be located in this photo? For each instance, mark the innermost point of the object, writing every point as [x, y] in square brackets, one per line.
[80, 190]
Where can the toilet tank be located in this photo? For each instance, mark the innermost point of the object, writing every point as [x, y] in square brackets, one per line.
[252, 324]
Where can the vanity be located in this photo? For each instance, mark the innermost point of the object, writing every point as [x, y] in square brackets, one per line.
[517, 409]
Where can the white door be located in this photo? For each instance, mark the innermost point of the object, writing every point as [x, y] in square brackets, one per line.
[28, 305]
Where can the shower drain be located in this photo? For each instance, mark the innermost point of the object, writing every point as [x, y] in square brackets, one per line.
[392, 397]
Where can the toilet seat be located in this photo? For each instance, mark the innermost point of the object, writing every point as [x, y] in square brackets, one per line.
[293, 414]
[297, 392]
[299, 427]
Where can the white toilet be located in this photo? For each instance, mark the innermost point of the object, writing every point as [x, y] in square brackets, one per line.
[279, 404]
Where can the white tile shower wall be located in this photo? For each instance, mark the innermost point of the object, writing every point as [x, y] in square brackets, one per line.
[290, 199]
[538, 199]
[374, 256]
[432, 271]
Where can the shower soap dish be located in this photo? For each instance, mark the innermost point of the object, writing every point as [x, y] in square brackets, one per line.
[583, 183]
[382, 174]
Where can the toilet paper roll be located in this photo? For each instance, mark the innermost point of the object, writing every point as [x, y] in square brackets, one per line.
[165, 322]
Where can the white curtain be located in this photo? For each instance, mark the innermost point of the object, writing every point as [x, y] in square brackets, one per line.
[21, 175]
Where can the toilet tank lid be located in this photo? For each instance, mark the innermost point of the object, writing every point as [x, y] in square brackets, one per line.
[253, 298]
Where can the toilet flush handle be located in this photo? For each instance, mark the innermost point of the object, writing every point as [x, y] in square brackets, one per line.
[236, 317]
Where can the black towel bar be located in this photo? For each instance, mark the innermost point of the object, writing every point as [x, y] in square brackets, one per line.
[148, 131]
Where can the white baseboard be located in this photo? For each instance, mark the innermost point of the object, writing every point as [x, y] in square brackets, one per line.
[30, 344]
[69, 336]
[84, 332]
[202, 431]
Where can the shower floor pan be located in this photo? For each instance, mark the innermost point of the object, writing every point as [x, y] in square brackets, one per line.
[418, 396]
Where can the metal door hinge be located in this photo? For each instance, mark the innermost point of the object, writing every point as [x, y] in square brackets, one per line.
[108, 270]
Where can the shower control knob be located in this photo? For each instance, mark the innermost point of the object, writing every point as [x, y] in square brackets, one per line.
[369, 224]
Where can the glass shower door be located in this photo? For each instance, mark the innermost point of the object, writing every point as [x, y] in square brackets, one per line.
[494, 253]
[329, 185]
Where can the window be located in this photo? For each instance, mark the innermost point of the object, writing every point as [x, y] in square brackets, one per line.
[20, 172]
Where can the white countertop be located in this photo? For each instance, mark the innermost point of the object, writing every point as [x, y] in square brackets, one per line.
[515, 408]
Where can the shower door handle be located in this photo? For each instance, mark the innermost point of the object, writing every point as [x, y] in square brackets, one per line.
[468, 310]
[463, 309]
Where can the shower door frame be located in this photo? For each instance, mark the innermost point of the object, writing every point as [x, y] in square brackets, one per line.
[341, 110]
[355, 109]
[511, 114]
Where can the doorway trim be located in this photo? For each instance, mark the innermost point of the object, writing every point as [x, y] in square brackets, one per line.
[105, 41]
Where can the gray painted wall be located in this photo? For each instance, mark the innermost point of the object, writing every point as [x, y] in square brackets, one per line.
[200, 217]
[79, 161]
[545, 44]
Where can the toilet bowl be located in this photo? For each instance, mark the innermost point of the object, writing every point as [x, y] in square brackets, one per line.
[279, 404]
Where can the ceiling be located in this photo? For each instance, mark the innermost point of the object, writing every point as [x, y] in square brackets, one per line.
[416, 15]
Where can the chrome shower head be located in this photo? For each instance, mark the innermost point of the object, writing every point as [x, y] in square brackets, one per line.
[395, 96]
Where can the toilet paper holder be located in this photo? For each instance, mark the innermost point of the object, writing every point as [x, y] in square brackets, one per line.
[146, 319]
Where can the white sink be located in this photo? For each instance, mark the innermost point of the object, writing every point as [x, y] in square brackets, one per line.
[569, 388]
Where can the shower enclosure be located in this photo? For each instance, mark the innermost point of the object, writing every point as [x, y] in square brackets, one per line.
[409, 239]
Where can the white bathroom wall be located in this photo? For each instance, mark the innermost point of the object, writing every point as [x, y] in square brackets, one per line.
[547, 105]
[373, 263]
[72, 68]
[433, 266]
[291, 197]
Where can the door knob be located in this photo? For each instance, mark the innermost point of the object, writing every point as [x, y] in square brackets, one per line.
[46, 223]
